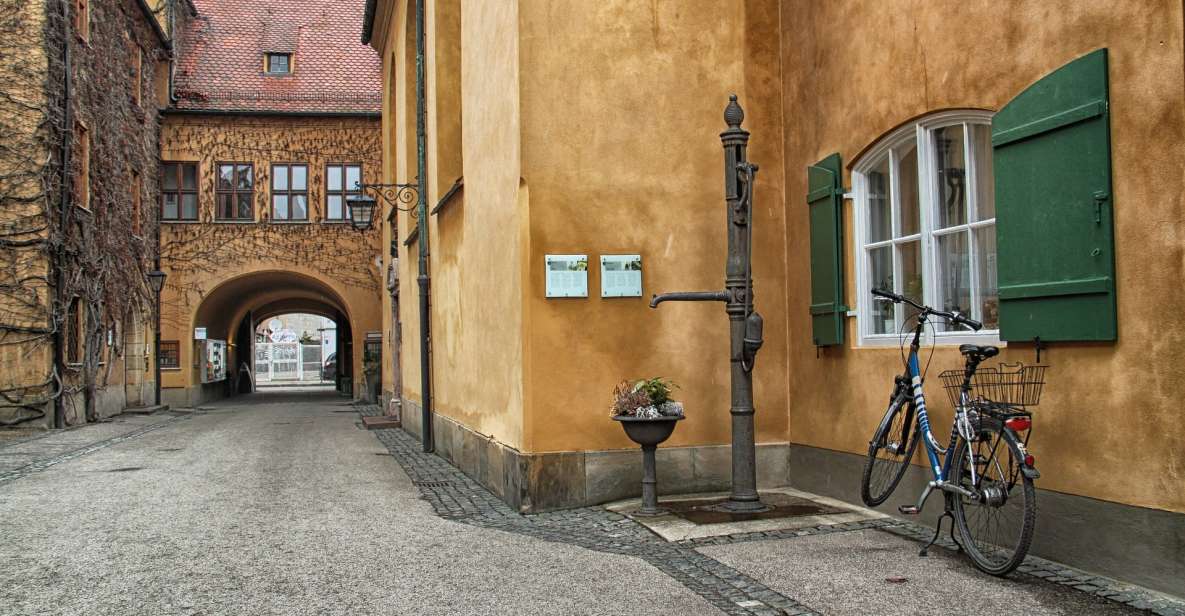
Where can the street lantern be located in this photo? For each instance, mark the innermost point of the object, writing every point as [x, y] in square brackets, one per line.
[362, 208]
[156, 280]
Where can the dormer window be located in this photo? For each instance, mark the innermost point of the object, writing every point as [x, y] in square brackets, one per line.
[277, 63]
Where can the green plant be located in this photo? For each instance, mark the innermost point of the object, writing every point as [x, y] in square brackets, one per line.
[657, 389]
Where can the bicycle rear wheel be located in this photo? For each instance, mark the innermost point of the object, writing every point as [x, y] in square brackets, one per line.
[997, 527]
[889, 451]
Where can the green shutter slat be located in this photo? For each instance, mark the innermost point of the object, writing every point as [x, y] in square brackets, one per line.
[824, 202]
[1053, 122]
[1065, 287]
[1054, 237]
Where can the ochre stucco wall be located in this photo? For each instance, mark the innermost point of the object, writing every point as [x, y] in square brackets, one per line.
[1109, 425]
[217, 271]
[477, 241]
[622, 109]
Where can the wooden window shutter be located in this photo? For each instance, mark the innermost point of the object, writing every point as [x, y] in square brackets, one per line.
[824, 200]
[1052, 158]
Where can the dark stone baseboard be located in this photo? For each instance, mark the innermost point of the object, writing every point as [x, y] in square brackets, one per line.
[1135, 544]
[536, 482]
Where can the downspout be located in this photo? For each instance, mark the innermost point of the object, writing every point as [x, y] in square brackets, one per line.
[422, 225]
[59, 346]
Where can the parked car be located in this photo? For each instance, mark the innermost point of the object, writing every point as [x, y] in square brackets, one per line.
[329, 370]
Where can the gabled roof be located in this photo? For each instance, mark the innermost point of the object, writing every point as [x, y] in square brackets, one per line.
[220, 67]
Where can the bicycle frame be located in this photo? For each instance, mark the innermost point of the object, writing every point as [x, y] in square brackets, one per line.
[939, 461]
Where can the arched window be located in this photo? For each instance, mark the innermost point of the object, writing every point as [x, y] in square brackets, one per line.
[925, 226]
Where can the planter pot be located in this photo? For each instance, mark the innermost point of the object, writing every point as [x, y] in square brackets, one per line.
[648, 433]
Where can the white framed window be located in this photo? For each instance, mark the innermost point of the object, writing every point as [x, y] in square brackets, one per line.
[925, 227]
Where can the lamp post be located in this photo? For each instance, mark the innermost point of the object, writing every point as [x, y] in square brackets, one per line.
[156, 281]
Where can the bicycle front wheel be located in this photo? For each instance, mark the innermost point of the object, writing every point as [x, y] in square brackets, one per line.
[889, 451]
[997, 525]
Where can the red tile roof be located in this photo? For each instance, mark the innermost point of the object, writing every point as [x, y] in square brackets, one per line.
[221, 64]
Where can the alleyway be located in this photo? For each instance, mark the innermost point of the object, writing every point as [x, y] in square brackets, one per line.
[278, 504]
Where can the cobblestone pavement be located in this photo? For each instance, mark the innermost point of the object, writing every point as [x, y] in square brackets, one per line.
[455, 496]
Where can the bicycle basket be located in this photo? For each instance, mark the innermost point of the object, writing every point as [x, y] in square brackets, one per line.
[1011, 384]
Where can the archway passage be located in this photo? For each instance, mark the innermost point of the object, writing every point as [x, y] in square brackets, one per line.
[230, 316]
[292, 349]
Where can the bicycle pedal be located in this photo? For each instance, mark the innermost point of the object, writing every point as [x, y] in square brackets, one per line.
[908, 510]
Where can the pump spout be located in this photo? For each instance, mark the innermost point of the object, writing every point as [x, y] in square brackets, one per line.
[689, 296]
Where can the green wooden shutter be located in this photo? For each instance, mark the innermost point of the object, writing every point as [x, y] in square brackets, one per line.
[824, 199]
[1052, 158]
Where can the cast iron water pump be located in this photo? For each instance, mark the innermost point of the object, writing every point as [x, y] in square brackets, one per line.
[744, 323]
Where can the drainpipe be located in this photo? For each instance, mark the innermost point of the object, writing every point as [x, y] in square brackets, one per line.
[422, 225]
[59, 346]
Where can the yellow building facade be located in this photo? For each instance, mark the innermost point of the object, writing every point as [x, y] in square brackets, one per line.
[227, 276]
[593, 130]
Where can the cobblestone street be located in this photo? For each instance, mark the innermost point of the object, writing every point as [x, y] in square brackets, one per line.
[278, 503]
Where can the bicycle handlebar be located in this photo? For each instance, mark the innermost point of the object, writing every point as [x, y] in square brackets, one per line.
[953, 317]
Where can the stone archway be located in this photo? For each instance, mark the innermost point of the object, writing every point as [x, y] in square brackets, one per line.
[230, 310]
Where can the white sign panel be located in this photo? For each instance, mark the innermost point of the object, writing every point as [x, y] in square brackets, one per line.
[567, 275]
[621, 275]
[199, 333]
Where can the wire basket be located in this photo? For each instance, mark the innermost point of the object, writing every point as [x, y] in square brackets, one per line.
[1011, 384]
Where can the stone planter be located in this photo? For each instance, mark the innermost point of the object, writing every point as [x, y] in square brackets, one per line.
[648, 433]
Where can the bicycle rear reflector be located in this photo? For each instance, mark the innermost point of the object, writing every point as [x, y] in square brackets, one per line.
[1019, 424]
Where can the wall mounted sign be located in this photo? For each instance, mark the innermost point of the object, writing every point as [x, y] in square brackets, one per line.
[621, 275]
[199, 333]
[567, 275]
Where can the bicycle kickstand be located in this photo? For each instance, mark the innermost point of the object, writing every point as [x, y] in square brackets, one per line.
[938, 531]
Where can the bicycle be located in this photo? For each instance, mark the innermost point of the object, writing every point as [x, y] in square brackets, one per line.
[986, 472]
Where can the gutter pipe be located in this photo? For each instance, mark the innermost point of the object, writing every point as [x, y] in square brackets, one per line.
[428, 442]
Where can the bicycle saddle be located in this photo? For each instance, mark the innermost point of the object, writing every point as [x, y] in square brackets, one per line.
[981, 352]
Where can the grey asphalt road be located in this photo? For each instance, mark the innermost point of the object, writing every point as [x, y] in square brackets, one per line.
[278, 504]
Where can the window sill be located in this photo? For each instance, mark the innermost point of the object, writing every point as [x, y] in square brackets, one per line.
[288, 222]
[335, 221]
[943, 340]
[232, 222]
[178, 221]
[164, 369]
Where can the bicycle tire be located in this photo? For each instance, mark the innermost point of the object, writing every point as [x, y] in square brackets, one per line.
[874, 490]
[996, 533]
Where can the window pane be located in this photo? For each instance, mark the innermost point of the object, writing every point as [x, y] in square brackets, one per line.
[985, 187]
[170, 179]
[989, 302]
[954, 274]
[245, 177]
[952, 176]
[880, 267]
[300, 177]
[189, 176]
[224, 206]
[300, 209]
[333, 175]
[907, 170]
[226, 177]
[911, 275]
[189, 206]
[245, 210]
[170, 206]
[280, 178]
[280, 207]
[335, 206]
[353, 177]
[879, 215]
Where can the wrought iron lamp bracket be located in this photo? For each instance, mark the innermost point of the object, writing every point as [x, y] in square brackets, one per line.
[395, 195]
